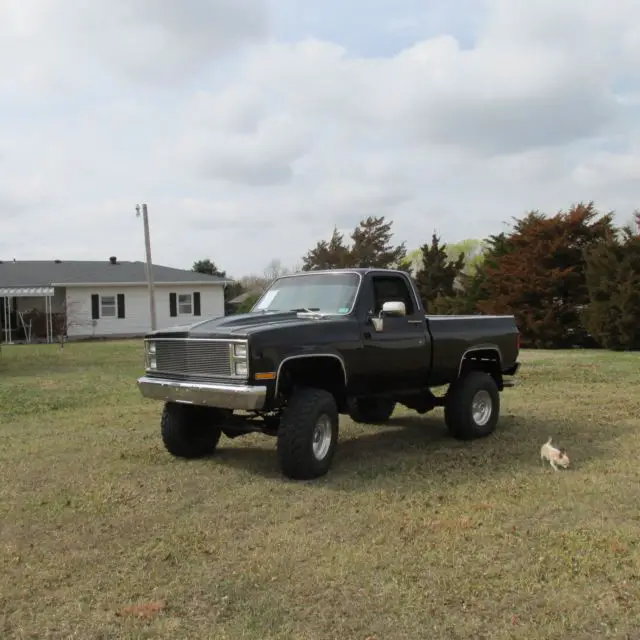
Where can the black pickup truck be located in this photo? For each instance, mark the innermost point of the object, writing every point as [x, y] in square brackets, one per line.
[318, 344]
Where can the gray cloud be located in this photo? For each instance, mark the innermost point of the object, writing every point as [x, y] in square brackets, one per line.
[12, 208]
[274, 147]
[492, 99]
[161, 41]
[70, 45]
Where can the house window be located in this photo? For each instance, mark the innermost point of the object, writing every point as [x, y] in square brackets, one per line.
[185, 304]
[111, 306]
[108, 308]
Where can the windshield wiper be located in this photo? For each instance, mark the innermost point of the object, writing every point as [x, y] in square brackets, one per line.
[306, 312]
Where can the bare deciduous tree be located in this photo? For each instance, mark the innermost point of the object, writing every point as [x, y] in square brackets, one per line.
[69, 316]
[275, 270]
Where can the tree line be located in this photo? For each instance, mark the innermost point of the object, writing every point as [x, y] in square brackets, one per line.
[571, 279]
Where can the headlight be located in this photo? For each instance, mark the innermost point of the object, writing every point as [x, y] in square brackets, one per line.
[239, 353]
[151, 355]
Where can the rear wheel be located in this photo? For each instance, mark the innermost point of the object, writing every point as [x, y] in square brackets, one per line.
[371, 410]
[190, 431]
[472, 406]
[308, 434]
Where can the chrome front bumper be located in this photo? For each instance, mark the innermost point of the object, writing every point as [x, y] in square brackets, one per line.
[224, 396]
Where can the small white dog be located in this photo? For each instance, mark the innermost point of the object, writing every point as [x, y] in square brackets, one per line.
[556, 457]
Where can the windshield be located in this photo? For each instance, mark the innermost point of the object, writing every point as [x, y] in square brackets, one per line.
[327, 293]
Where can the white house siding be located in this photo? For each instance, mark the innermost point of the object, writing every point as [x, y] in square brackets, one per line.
[136, 298]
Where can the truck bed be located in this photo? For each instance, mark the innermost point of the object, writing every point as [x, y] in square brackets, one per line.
[452, 336]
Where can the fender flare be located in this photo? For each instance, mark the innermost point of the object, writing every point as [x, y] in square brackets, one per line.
[300, 356]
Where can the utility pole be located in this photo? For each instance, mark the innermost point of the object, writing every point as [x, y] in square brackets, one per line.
[147, 244]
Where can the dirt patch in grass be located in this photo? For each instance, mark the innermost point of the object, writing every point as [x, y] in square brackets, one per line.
[412, 535]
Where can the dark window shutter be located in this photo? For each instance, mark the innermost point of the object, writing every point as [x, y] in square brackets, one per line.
[173, 305]
[196, 303]
[95, 306]
[121, 305]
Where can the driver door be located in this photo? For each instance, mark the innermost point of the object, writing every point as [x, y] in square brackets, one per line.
[397, 357]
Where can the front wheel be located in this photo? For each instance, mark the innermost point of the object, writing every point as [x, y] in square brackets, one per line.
[472, 406]
[308, 434]
[190, 431]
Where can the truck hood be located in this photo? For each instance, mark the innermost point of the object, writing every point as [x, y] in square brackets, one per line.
[242, 325]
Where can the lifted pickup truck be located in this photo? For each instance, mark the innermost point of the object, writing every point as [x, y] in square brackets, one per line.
[318, 344]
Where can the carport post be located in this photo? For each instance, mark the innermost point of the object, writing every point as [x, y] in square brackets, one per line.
[47, 315]
[6, 321]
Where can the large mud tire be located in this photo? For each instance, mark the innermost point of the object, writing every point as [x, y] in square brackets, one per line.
[472, 406]
[190, 431]
[308, 434]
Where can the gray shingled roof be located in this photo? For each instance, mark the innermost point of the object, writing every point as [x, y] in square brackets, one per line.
[38, 273]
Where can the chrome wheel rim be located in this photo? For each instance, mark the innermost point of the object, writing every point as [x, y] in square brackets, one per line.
[322, 436]
[482, 407]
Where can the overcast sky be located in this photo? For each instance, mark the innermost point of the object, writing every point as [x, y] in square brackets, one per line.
[252, 127]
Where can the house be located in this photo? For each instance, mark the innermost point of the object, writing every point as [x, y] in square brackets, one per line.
[43, 298]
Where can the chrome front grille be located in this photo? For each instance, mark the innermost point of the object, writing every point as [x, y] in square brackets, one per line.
[188, 357]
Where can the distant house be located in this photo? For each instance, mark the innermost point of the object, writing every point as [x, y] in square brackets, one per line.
[100, 298]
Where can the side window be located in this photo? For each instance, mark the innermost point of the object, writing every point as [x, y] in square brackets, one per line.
[387, 288]
[107, 306]
[185, 306]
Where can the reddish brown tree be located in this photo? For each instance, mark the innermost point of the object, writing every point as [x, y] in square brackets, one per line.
[538, 274]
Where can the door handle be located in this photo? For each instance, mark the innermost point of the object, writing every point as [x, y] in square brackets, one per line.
[415, 321]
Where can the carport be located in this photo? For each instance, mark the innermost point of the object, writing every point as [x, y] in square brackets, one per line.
[10, 314]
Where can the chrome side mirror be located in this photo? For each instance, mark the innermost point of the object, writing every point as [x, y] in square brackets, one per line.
[394, 308]
[391, 308]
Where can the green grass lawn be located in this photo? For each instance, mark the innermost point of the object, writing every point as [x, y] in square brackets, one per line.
[411, 535]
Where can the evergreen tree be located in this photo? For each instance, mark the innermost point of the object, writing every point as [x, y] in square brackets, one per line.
[328, 255]
[436, 278]
[612, 315]
[209, 267]
[372, 246]
[476, 285]
[473, 250]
